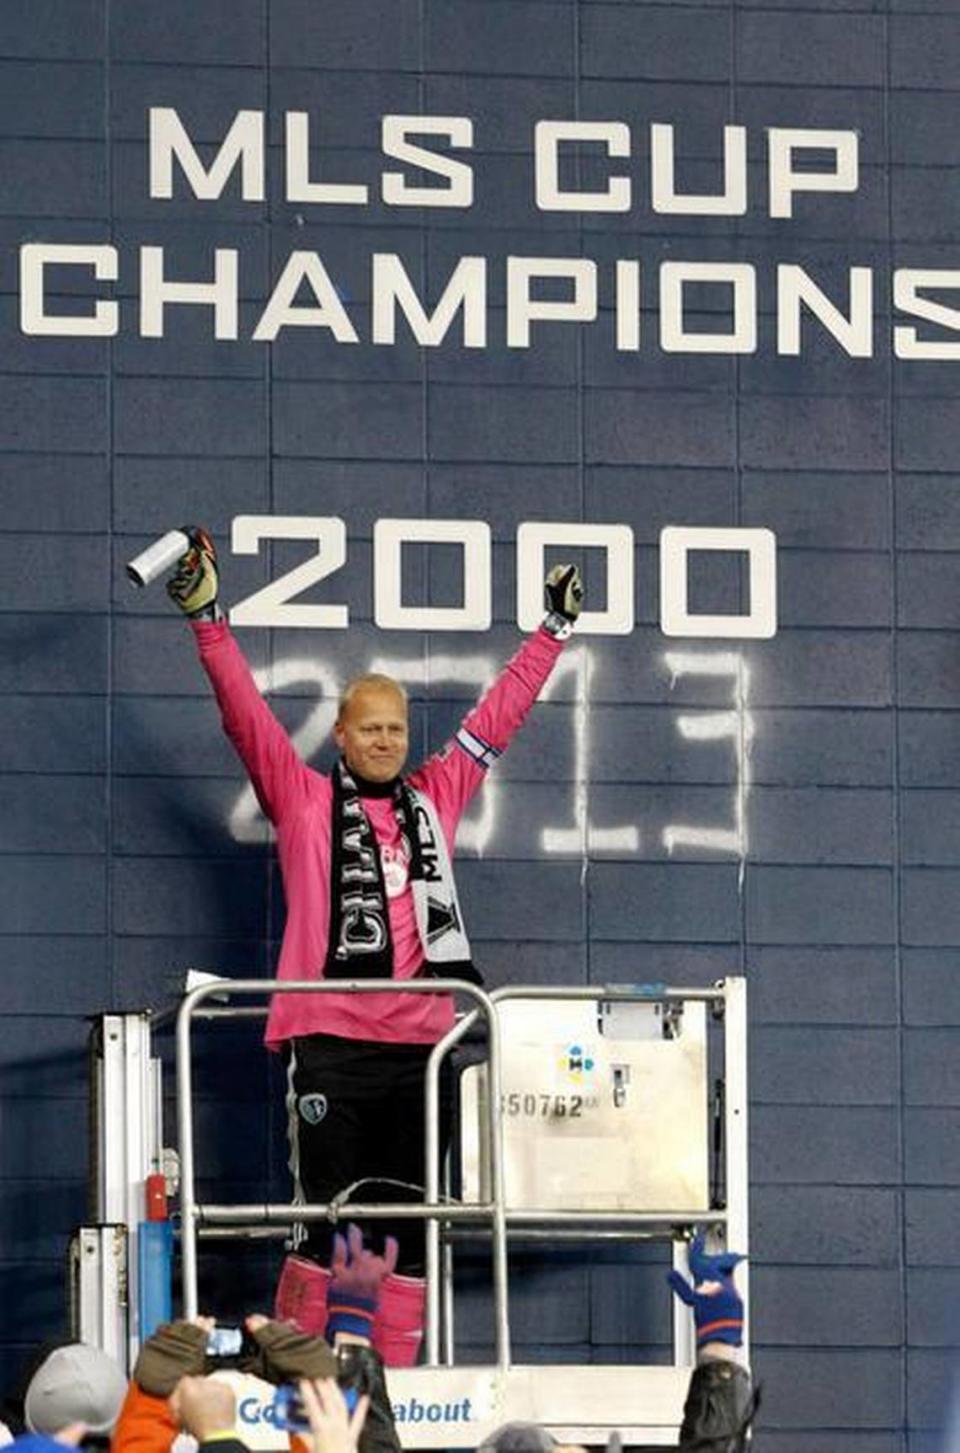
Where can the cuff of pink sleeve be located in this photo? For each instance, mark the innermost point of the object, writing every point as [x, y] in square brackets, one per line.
[209, 632]
[556, 626]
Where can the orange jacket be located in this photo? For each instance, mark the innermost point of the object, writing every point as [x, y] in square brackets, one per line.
[146, 1425]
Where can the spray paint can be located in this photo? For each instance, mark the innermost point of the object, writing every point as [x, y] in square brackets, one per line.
[160, 557]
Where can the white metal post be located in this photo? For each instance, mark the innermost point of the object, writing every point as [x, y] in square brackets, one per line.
[99, 1289]
[129, 1105]
[736, 1136]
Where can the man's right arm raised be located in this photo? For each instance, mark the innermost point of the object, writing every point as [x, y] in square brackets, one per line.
[275, 770]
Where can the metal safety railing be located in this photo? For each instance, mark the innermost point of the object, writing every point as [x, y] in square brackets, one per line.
[193, 1214]
[228, 1220]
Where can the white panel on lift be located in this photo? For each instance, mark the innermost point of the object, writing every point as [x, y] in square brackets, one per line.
[605, 1107]
[456, 1407]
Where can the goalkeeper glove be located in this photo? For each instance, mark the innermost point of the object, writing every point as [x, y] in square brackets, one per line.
[194, 587]
[564, 589]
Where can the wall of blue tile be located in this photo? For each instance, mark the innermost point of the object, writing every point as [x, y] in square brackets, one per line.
[126, 851]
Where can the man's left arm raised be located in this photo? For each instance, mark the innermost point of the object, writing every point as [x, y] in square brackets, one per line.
[451, 776]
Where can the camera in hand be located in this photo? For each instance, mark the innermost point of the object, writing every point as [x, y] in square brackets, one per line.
[229, 1346]
[354, 1378]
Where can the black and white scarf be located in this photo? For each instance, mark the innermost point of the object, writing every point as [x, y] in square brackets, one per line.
[360, 946]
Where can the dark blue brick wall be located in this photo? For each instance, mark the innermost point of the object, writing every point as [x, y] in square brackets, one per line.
[118, 868]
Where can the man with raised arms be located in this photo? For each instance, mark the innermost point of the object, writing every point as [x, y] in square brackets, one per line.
[365, 854]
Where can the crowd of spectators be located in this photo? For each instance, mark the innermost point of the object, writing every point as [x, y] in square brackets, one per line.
[332, 1392]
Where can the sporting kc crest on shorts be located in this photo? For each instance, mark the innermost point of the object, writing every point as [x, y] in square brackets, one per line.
[312, 1108]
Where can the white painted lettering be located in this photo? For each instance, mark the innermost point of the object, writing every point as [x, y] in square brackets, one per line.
[786, 143]
[156, 292]
[548, 138]
[616, 541]
[35, 318]
[760, 546]
[280, 312]
[397, 191]
[853, 333]
[740, 276]
[906, 283]
[731, 202]
[466, 291]
[522, 309]
[243, 143]
[272, 606]
[389, 611]
[628, 305]
[737, 726]
[299, 186]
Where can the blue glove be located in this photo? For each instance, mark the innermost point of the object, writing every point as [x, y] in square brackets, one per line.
[717, 1305]
[355, 1277]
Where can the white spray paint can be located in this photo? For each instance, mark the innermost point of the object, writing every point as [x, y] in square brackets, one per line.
[159, 557]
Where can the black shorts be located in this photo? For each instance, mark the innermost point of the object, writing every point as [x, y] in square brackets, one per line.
[356, 1112]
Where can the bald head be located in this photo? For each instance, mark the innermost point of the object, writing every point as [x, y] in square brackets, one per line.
[374, 680]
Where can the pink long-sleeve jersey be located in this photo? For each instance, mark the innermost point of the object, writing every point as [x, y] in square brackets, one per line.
[299, 802]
